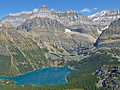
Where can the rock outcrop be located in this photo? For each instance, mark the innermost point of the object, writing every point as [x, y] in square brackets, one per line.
[111, 36]
[43, 23]
[109, 77]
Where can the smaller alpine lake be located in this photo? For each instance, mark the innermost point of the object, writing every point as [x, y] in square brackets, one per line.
[50, 76]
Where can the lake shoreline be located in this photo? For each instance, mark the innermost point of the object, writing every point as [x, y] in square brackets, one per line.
[56, 76]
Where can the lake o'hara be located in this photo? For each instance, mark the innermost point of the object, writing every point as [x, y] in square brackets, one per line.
[50, 76]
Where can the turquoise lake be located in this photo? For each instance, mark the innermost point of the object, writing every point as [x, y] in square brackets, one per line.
[52, 75]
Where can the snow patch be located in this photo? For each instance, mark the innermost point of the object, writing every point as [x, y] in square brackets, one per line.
[67, 30]
[96, 19]
[105, 28]
[104, 12]
[7, 82]
[99, 31]
[91, 16]
[99, 14]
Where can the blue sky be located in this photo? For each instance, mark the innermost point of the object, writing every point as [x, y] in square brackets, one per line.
[85, 7]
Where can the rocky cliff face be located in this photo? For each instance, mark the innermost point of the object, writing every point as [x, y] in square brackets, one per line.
[106, 16]
[44, 23]
[66, 17]
[111, 36]
[71, 19]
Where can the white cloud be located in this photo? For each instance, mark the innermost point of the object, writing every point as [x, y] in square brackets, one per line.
[95, 8]
[85, 10]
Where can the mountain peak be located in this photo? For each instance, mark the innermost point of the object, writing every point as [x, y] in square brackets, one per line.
[43, 7]
[52, 9]
[111, 35]
[106, 15]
